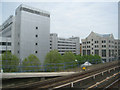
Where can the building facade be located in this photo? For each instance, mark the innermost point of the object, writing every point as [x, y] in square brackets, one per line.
[99, 44]
[29, 31]
[64, 45]
[7, 35]
[117, 49]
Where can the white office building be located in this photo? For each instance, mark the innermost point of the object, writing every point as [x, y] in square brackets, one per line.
[64, 44]
[29, 31]
[7, 35]
[100, 44]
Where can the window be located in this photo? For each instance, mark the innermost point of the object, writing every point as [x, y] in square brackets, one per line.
[36, 51]
[109, 53]
[18, 51]
[88, 52]
[84, 52]
[9, 43]
[92, 43]
[97, 52]
[103, 53]
[95, 46]
[104, 41]
[104, 45]
[92, 39]
[3, 43]
[36, 35]
[36, 43]
[18, 43]
[36, 27]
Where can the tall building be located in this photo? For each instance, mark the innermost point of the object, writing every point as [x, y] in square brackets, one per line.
[64, 44]
[100, 44]
[29, 31]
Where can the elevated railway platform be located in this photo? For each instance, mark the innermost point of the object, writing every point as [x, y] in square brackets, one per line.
[91, 78]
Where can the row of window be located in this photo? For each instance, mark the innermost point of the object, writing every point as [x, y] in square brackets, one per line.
[111, 46]
[97, 46]
[4, 51]
[5, 43]
[35, 52]
[88, 52]
[66, 45]
[34, 12]
[103, 41]
[66, 51]
[103, 45]
[66, 48]
[66, 42]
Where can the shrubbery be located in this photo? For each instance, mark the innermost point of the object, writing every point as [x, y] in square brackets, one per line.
[10, 62]
[31, 63]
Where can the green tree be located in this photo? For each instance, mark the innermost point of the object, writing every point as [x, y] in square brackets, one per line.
[69, 60]
[31, 63]
[80, 59]
[53, 60]
[97, 59]
[10, 62]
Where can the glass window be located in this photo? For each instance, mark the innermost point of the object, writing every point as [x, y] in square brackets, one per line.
[84, 52]
[36, 35]
[103, 53]
[36, 27]
[88, 52]
[36, 51]
[96, 52]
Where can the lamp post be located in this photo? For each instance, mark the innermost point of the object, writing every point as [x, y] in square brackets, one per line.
[76, 62]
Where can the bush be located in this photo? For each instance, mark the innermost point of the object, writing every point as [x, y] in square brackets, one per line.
[31, 63]
[10, 62]
[69, 60]
[53, 60]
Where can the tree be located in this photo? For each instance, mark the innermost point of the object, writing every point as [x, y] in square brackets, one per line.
[52, 60]
[69, 59]
[97, 59]
[79, 58]
[31, 63]
[10, 62]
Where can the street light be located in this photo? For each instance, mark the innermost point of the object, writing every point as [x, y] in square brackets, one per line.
[76, 62]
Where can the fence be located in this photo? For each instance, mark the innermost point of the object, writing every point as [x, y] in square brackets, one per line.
[11, 66]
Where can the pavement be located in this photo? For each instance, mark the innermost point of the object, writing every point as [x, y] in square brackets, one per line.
[39, 74]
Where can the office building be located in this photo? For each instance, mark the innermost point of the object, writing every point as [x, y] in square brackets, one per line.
[7, 35]
[64, 44]
[29, 31]
[117, 49]
[99, 44]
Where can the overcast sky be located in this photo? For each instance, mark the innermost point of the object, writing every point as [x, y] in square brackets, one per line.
[74, 18]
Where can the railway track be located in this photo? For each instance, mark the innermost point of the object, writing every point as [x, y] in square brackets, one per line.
[69, 80]
[107, 83]
[115, 84]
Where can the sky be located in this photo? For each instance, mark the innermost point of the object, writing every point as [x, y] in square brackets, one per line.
[74, 18]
